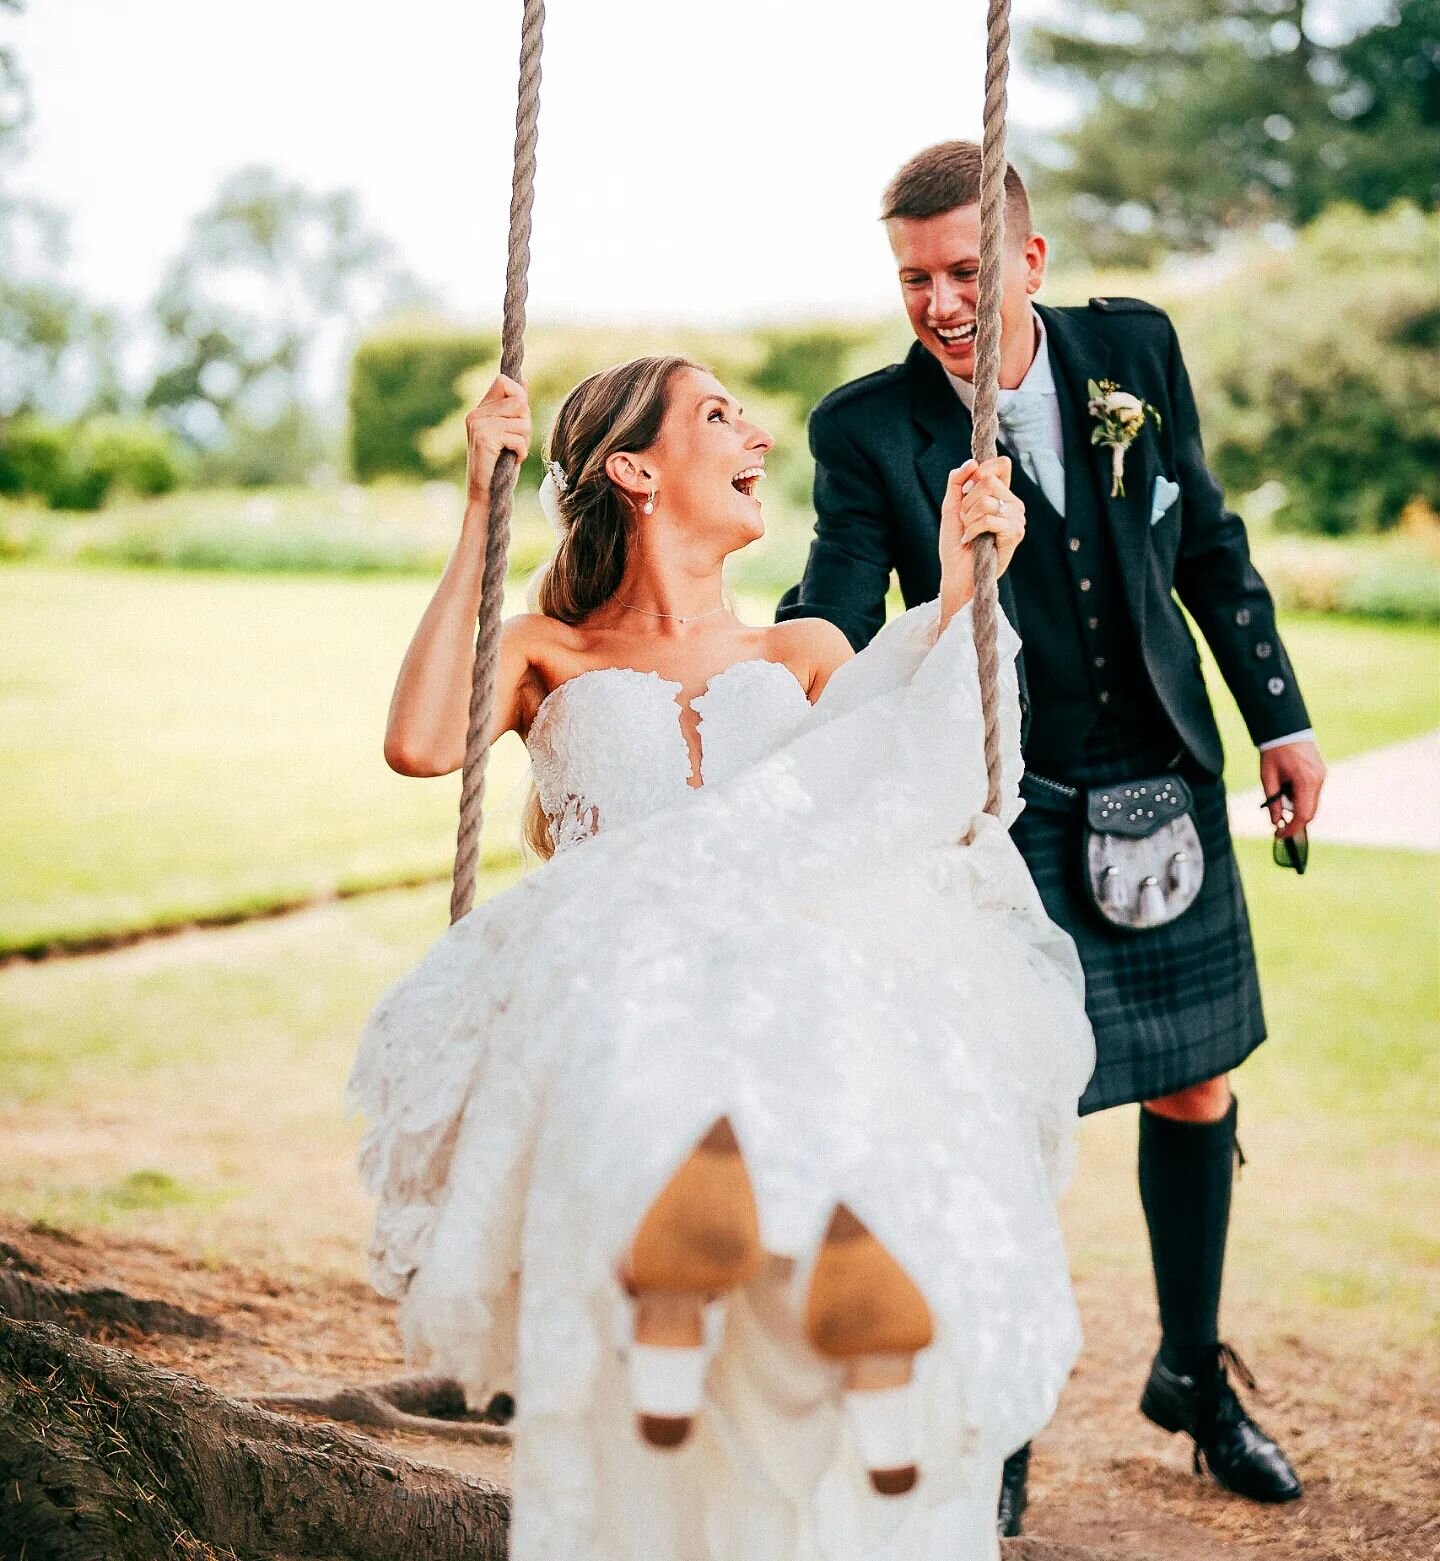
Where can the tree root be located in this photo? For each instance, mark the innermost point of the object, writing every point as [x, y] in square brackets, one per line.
[28, 1298]
[105, 1458]
[433, 1406]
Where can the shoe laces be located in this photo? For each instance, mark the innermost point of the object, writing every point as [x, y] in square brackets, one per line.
[1219, 1403]
[1229, 1356]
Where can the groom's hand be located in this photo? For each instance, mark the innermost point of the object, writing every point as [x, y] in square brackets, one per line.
[1299, 766]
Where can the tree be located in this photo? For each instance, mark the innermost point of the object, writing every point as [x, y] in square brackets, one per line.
[57, 354]
[1334, 406]
[1209, 115]
[255, 312]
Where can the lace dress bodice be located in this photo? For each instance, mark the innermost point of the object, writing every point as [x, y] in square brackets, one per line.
[608, 747]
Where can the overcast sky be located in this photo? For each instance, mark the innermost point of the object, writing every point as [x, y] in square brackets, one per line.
[697, 160]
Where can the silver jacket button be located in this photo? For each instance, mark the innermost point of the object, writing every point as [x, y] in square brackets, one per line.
[1276, 685]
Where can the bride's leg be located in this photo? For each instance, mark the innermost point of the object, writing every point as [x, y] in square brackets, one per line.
[699, 1240]
[865, 1312]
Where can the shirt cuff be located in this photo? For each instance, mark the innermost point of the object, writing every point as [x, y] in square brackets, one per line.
[1306, 736]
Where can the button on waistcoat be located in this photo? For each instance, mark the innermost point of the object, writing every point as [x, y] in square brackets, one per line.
[1086, 677]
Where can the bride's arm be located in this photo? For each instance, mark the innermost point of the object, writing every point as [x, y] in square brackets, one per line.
[429, 711]
[977, 499]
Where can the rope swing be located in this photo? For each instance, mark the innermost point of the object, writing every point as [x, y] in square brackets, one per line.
[507, 469]
[512, 356]
[985, 436]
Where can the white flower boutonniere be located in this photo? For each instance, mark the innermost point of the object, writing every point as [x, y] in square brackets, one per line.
[1119, 417]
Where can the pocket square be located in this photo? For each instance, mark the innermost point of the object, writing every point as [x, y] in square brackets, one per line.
[1165, 494]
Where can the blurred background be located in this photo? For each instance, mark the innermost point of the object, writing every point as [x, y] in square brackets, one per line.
[251, 261]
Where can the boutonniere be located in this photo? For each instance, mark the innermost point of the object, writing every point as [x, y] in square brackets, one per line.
[1119, 417]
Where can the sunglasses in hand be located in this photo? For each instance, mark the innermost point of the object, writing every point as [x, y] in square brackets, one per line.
[1291, 850]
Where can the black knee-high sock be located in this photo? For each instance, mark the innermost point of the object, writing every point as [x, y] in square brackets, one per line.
[1186, 1171]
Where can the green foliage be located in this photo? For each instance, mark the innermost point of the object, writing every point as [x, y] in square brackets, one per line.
[403, 382]
[131, 456]
[1203, 118]
[32, 456]
[292, 448]
[78, 467]
[1316, 368]
[805, 363]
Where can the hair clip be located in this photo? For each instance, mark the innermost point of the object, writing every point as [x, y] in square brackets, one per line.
[557, 475]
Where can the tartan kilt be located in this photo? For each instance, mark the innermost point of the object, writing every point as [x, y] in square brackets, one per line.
[1172, 1006]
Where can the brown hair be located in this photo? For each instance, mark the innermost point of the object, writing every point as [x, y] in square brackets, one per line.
[617, 409]
[947, 175]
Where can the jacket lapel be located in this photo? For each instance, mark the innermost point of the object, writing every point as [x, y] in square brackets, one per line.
[1080, 354]
[944, 422]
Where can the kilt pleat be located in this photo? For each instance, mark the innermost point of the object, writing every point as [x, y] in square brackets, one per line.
[1171, 1006]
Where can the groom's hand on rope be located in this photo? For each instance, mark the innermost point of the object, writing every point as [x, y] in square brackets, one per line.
[978, 498]
[500, 422]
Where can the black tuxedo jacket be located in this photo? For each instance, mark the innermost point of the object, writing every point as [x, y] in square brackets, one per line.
[884, 446]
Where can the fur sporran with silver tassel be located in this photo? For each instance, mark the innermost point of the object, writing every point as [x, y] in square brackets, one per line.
[1143, 858]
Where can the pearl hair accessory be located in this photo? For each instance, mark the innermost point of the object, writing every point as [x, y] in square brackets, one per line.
[552, 487]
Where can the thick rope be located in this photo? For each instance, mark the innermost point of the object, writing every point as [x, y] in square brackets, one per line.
[502, 484]
[986, 433]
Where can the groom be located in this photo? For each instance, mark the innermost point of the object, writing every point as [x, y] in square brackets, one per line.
[1111, 690]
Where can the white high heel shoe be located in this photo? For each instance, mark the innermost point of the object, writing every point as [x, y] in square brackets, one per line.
[863, 1311]
[699, 1240]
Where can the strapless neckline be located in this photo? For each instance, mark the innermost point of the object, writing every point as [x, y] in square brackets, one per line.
[670, 683]
[619, 745]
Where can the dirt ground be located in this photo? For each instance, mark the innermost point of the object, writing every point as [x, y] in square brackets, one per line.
[1366, 1441]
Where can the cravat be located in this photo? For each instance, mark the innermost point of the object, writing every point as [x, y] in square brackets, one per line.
[1026, 425]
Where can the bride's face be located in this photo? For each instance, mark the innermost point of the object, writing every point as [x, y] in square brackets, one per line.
[708, 463]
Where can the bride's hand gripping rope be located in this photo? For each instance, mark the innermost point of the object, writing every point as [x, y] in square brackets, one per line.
[978, 498]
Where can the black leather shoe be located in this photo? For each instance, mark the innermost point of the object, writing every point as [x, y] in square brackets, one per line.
[1013, 1495]
[1227, 1441]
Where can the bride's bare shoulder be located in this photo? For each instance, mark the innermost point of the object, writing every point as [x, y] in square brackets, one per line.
[535, 635]
[811, 647]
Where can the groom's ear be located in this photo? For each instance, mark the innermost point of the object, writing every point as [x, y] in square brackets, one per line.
[1037, 253]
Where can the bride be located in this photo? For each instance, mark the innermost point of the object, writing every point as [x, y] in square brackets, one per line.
[729, 1139]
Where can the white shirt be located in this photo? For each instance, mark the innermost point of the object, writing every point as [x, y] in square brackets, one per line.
[1040, 380]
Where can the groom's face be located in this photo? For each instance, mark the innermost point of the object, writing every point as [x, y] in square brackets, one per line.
[938, 262]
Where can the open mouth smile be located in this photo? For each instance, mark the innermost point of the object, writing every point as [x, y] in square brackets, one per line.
[747, 481]
[957, 335]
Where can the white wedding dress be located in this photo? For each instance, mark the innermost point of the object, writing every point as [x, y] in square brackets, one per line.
[888, 1019]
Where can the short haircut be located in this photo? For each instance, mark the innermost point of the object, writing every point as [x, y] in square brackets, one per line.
[946, 176]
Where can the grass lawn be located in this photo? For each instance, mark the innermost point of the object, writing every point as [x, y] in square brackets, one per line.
[179, 745]
[175, 745]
